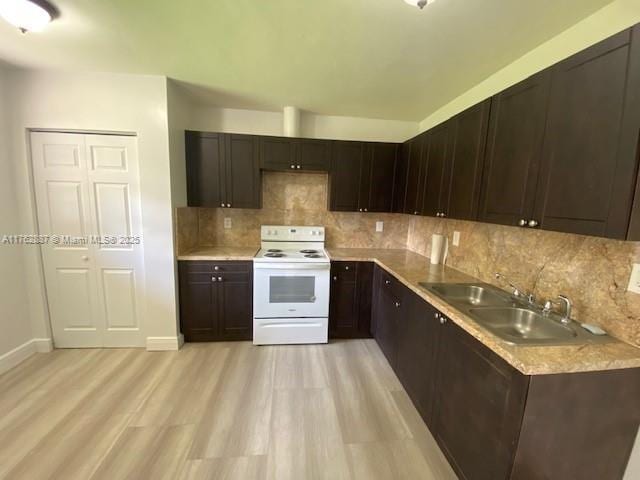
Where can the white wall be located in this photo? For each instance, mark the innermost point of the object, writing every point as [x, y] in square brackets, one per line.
[311, 125]
[611, 19]
[15, 327]
[102, 102]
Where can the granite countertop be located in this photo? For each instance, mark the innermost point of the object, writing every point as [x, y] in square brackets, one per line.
[220, 253]
[411, 268]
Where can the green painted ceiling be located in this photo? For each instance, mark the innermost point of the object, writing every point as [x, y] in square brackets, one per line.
[368, 58]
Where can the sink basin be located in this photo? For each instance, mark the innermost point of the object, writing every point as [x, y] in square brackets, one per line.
[523, 326]
[469, 294]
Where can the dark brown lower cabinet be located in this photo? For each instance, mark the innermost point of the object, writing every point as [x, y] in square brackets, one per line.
[216, 300]
[491, 421]
[350, 300]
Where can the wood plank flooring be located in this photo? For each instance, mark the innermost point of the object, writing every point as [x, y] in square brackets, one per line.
[214, 411]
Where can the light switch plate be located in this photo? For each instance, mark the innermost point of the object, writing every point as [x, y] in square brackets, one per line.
[456, 238]
[227, 222]
[634, 280]
[379, 226]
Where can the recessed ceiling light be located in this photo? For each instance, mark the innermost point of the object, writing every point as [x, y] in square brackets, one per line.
[28, 15]
[419, 3]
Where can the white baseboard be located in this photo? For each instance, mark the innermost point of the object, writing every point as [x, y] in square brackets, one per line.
[160, 344]
[24, 351]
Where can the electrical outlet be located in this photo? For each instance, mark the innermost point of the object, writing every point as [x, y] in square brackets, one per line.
[634, 280]
[379, 226]
[227, 222]
[456, 238]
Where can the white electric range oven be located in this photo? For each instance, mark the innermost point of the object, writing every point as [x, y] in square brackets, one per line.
[291, 286]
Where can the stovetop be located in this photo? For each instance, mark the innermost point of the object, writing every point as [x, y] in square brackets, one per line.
[284, 253]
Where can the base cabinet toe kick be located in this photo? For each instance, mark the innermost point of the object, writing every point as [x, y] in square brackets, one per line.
[493, 422]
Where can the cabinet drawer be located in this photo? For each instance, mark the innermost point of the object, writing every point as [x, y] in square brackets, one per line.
[344, 271]
[212, 266]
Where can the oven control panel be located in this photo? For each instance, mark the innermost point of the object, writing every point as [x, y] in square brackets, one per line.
[280, 233]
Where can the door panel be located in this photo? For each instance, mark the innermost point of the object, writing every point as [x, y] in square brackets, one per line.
[415, 175]
[199, 305]
[514, 151]
[277, 153]
[235, 319]
[66, 208]
[469, 140]
[314, 155]
[438, 164]
[113, 211]
[579, 180]
[381, 177]
[119, 293]
[346, 162]
[401, 180]
[242, 172]
[205, 169]
[73, 289]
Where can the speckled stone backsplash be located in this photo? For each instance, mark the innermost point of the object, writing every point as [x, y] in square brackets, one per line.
[593, 272]
[289, 199]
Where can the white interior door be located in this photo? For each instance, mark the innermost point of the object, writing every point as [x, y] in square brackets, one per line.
[88, 202]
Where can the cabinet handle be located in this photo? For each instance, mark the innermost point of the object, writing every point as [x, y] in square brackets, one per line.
[346, 268]
[335, 279]
[443, 320]
[366, 210]
[216, 267]
[442, 214]
[522, 222]
[415, 212]
[222, 205]
[298, 167]
[213, 279]
[533, 223]
[387, 282]
[228, 205]
[397, 304]
[219, 279]
[293, 166]
[436, 315]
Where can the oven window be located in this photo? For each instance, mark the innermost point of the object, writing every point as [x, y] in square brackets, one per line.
[292, 289]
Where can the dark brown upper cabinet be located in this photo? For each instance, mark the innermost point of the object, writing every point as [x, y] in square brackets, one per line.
[437, 153]
[401, 178]
[362, 176]
[589, 155]
[514, 151]
[416, 172]
[294, 154]
[222, 170]
[466, 163]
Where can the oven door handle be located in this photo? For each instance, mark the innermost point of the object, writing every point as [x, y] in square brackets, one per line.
[292, 266]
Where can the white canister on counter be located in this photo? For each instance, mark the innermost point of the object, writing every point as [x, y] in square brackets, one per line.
[439, 248]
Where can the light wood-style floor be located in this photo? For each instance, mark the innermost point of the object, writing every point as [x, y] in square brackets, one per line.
[214, 411]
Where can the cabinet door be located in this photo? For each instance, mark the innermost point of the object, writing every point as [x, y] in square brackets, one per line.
[314, 155]
[478, 408]
[438, 164]
[204, 155]
[236, 310]
[277, 153]
[389, 313]
[381, 178]
[346, 162]
[350, 300]
[514, 149]
[199, 302]
[587, 175]
[467, 160]
[417, 354]
[400, 179]
[343, 306]
[416, 172]
[243, 172]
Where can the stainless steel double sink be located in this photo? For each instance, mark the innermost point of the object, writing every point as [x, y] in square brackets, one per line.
[514, 321]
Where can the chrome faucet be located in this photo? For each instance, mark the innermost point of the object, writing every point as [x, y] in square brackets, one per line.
[568, 308]
[517, 291]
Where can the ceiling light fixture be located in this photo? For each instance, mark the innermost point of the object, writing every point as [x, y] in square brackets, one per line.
[28, 15]
[419, 3]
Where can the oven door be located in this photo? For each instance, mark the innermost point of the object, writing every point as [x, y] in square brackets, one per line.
[290, 290]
